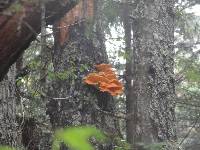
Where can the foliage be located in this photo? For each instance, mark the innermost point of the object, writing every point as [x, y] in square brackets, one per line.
[121, 144]
[77, 137]
[187, 64]
[15, 8]
[111, 14]
[6, 148]
[187, 72]
[156, 146]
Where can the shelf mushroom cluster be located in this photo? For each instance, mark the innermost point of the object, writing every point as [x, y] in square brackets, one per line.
[105, 79]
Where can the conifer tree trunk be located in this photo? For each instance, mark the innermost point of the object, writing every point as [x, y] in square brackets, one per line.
[72, 102]
[8, 127]
[152, 77]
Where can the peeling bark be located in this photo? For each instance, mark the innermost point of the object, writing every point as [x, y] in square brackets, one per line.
[83, 10]
[19, 28]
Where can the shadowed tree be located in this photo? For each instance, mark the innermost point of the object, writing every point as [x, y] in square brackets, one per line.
[19, 25]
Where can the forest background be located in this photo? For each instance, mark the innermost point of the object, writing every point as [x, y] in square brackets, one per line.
[46, 88]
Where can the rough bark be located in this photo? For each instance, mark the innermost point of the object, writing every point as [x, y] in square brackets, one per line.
[34, 134]
[153, 91]
[75, 103]
[9, 134]
[19, 27]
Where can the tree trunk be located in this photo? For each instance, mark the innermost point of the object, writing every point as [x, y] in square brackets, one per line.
[131, 104]
[73, 102]
[8, 128]
[152, 83]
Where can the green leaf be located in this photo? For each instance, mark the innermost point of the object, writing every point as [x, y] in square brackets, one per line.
[156, 146]
[193, 74]
[83, 67]
[121, 144]
[77, 138]
[6, 148]
[17, 7]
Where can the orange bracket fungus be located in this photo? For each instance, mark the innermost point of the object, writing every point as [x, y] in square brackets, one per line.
[105, 79]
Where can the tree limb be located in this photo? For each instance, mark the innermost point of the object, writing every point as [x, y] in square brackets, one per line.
[15, 36]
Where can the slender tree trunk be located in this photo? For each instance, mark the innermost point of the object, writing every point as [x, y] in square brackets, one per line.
[152, 83]
[131, 104]
[8, 127]
[44, 53]
[72, 102]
